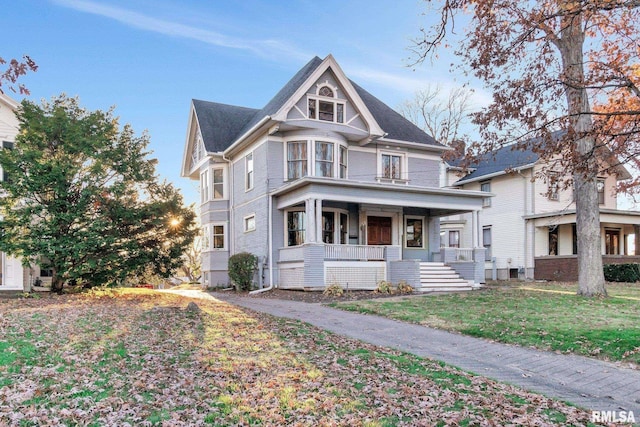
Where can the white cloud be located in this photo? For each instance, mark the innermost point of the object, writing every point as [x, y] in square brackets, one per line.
[274, 49]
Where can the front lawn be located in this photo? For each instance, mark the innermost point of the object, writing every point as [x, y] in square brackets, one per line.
[139, 357]
[546, 316]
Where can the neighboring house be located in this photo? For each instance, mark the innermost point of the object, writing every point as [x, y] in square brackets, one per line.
[529, 227]
[325, 184]
[12, 275]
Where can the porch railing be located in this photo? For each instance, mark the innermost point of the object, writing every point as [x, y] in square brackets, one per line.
[354, 252]
[464, 254]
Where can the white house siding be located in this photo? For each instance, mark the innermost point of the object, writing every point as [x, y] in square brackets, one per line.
[505, 216]
[13, 275]
[425, 171]
[361, 165]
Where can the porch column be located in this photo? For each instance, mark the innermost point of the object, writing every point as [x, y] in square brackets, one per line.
[474, 229]
[319, 220]
[310, 208]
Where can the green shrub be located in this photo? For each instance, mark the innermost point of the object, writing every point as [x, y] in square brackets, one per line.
[242, 266]
[622, 272]
[334, 290]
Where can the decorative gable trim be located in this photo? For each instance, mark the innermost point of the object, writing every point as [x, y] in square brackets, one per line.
[375, 131]
[195, 150]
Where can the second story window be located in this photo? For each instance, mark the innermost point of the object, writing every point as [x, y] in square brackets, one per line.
[554, 186]
[391, 166]
[297, 159]
[218, 184]
[486, 187]
[600, 186]
[324, 159]
[343, 162]
[249, 172]
[204, 186]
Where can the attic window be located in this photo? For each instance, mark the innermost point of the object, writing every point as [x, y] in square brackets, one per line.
[326, 106]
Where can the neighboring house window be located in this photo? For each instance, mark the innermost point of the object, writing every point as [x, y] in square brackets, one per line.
[554, 186]
[343, 161]
[328, 227]
[204, 186]
[413, 232]
[612, 241]
[391, 166]
[296, 225]
[600, 186]
[454, 239]
[218, 237]
[324, 159]
[486, 242]
[486, 187]
[218, 183]
[326, 107]
[248, 160]
[553, 240]
[575, 239]
[250, 223]
[297, 159]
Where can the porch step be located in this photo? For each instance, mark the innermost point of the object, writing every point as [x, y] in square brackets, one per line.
[438, 277]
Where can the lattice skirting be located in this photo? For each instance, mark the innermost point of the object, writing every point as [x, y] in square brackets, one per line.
[355, 274]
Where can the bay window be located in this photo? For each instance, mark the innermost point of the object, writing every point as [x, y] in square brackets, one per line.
[324, 159]
[296, 159]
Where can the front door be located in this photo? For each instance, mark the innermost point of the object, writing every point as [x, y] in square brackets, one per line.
[378, 230]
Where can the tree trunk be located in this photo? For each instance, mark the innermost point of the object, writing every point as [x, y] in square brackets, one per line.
[590, 272]
[56, 283]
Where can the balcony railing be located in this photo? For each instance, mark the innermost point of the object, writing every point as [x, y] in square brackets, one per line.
[354, 252]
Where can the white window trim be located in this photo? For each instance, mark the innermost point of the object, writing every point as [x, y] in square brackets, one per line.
[486, 202]
[205, 187]
[244, 223]
[286, 227]
[246, 171]
[336, 222]
[404, 231]
[224, 183]
[334, 100]
[311, 156]
[404, 167]
[224, 234]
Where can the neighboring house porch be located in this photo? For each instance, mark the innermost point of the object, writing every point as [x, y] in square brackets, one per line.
[356, 234]
[556, 241]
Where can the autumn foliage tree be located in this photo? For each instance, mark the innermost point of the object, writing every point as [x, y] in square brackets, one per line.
[82, 196]
[15, 69]
[554, 65]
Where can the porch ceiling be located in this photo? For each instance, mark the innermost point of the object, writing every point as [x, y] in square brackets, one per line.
[440, 201]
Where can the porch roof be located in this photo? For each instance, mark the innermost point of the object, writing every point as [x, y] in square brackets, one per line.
[440, 201]
[569, 216]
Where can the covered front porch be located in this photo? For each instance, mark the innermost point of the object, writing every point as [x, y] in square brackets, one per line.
[357, 234]
[556, 242]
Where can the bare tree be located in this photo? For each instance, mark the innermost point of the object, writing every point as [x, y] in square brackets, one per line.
[441, 116]
[554, 64]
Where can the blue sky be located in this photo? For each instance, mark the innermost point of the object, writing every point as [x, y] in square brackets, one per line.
[150, 58]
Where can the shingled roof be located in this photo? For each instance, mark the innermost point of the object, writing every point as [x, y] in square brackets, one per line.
[505, 158]
[222, 124]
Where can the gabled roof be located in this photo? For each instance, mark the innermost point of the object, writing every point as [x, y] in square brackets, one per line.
[222, 125]
[508, 157]
[392, 122]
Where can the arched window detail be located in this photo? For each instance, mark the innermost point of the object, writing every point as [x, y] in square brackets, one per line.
[326, 107]
[326, 91]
